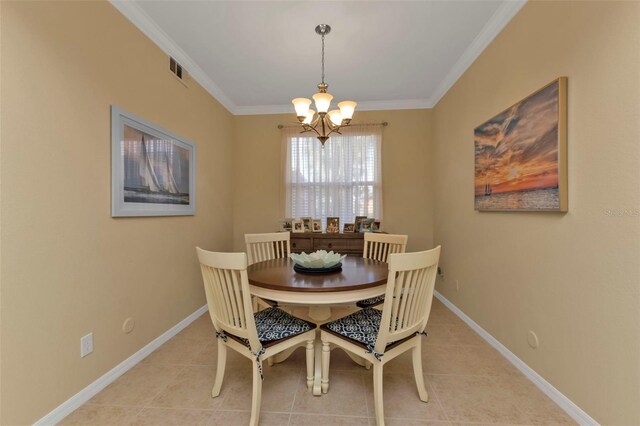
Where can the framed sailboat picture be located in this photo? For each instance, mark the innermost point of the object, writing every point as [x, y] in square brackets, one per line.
[152, 170]
[521, 154]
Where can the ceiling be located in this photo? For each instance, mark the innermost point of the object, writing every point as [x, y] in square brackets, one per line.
[254, 57]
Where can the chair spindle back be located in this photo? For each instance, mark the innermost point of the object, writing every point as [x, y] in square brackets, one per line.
[261, 247]
[410, 287]
[227, 290]
[380, 246]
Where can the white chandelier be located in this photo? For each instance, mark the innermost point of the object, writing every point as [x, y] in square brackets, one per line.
[326, 122]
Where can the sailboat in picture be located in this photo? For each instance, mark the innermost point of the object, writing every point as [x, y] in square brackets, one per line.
[153, 171]
[487, 188]
[149, 175]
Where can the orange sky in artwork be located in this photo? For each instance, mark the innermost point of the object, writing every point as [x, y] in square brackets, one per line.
[518, 149]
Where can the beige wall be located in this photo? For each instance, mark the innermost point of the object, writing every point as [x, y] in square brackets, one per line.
[68, 267]
[572, 278]
[406, 174]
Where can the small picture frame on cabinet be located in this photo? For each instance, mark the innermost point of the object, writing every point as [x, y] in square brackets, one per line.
[286, 224]
[317, 225]
[297, 226]
[365, 225]
[356, 223]
[375, 226]
[348, 228]
[333, 225]
[307, 223]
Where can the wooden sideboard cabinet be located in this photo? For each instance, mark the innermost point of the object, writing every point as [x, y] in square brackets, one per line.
[349, 243]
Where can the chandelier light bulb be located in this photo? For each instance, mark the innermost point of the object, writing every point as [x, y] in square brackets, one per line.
[309, 118]
[302, 106]
[335, 117]
[347, 108]
[323, 101]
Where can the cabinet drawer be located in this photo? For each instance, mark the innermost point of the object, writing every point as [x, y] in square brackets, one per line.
[330, 244]
[301, 244]
[356, 245]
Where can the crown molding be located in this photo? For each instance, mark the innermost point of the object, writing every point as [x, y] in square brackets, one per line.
[264, 109]
[151, 29]
[362, 106]
[498, 21]
[394, 104]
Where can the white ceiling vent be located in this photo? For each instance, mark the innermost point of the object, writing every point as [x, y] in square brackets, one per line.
[176, 69]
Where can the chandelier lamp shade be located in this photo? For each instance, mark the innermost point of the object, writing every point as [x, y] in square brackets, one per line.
[325, 121]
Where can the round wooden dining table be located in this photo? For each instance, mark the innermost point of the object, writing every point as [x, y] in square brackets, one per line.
[277, 280]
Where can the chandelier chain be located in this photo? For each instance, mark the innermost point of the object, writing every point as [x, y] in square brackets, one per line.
[322, 58]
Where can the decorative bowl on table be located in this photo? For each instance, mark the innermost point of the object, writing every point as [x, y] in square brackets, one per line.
[319, 261]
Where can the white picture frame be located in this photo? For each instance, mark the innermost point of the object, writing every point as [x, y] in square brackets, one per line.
[286, 224]
[297, 226]
[307, 221]
[152, 177]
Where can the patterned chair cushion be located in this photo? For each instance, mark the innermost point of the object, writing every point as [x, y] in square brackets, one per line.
[272, 324]
[371, 302]
[275, 324]
[361, 326]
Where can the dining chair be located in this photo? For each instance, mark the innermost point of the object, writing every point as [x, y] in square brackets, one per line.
[256, 336]
[380, 336]
[267, 246]
[379, 247]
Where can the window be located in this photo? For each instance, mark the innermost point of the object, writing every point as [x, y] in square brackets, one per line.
[342, 179]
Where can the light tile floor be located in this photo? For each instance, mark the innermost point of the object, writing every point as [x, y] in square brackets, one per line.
[468, 383]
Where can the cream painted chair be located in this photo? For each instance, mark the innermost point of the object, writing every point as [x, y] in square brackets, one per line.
[379, 247]
[261, 247]
[380, 336]
[256, 336]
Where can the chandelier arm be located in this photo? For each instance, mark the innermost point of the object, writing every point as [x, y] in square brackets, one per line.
[336, 129]
[309, 128]
[333, 127]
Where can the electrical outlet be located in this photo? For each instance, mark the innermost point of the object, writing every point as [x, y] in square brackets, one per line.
[441, 272]
[457, 285]
[86, 345]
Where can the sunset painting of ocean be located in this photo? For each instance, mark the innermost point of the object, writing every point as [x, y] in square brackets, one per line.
[520, 154]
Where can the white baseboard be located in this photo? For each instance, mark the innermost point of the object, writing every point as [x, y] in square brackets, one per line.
[90, 391]
[556, 396]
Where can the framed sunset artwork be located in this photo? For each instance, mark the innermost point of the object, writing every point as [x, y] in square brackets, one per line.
[521, 154]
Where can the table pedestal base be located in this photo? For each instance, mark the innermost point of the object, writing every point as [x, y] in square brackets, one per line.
[320, 313]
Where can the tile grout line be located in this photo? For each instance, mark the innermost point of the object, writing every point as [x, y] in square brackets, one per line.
[182, 368]
[364, 386]
[296, 392]
[145, 406]
[435, 394]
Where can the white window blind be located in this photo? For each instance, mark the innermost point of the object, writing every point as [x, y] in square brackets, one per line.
[342, 179]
